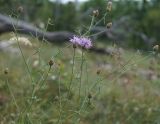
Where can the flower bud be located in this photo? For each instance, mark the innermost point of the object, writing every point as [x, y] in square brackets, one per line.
[20, 9]
[95, 13]
[50, 62]
[56, 98]
[6, 71]
[89, 96]
[109, 25]
[109, 6]
[98, 71]
[156, 47]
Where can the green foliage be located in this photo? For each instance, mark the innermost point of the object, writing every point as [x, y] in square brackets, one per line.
[150, 23]
[64, 17]
[144, 16]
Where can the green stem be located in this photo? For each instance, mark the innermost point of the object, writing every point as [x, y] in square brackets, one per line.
[60, 100]
[90, 27]
[40, 84]
[103, 18]
[11, 93]
[24, 59]
[72, 71]
[81, 67]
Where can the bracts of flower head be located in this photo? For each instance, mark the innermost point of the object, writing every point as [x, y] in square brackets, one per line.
[81, 41]
[109, 5]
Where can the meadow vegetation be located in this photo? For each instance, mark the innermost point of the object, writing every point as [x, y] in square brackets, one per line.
[119, 88]
[44, 83]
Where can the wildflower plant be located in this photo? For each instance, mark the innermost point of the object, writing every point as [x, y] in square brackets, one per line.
[85, 42]
[75, 91]
[82, 42]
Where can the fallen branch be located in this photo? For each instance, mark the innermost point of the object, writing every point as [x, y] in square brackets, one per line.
[8, 24]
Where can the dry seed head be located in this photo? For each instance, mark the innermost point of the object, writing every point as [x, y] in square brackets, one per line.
[95, 13]
[6, 71]
[98, 71]
[109, 6]
[20, 9]
[50, 62]
[156, 47]
[56, 98]
[89, 95]
[109, 25]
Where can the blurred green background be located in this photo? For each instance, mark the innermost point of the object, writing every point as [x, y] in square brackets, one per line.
[139, 19]
[126, 89]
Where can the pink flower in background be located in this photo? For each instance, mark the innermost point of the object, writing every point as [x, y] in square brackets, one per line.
[82, 41]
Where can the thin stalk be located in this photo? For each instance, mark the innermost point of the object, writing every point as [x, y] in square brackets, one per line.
[24, 59]
[28, 108]
[73, 60]
[81, 70]
[60, 100]
[40, 86]
[25, 62]
[11, 93]
[103, 18]
[90, 27]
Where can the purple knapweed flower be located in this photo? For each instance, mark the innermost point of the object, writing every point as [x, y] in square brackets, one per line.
[81, 41]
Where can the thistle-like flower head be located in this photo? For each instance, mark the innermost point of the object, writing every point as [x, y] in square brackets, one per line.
[81, 41]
